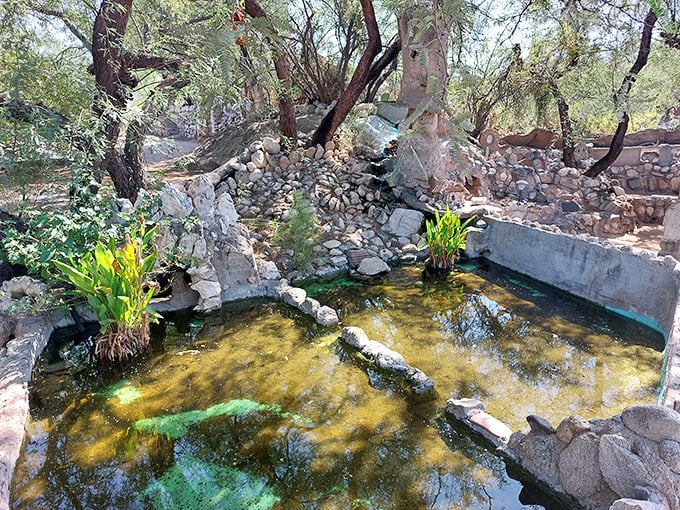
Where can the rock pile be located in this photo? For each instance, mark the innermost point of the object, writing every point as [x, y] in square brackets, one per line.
[625, 462]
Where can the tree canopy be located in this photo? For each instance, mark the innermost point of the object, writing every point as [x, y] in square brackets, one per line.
[78, 76]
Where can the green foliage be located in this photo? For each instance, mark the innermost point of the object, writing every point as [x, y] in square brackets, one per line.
[176, 426]
[194, 484]
[299, 233]
[50, 236]
[114, 282]
[445, 237]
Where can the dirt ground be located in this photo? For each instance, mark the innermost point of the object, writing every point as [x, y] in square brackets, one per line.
[647, 237]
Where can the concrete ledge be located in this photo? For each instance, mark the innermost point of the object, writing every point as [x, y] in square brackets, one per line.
[635, 283]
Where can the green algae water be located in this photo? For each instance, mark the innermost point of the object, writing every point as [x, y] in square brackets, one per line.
[256, 407]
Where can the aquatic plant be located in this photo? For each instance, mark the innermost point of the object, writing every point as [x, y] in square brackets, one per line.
[114, 281]
[177, 425]
[194, 484]
[445, 236]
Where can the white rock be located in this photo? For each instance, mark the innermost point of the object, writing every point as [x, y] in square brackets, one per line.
[258, 159]
[373, 266]
[268, 270]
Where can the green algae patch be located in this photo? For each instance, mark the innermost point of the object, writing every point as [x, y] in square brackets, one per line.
[123, 390]
[177, 425]
[194, 484]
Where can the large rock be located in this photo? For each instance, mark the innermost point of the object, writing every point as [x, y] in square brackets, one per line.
[653, 422]
[405, 222]
[373, 266]
[202, 194]
[579, 467]
[621, 468]
[270, 145]
[225, 212]
[174, 203]
[539, 454]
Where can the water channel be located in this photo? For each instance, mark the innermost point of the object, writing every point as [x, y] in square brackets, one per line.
[257, 407]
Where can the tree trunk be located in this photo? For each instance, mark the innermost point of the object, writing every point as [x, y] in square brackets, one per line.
[424, 157]
[331, 122]
[114, 81]
[378, 73]
[621, 98]
[565, 124]
[286, 104]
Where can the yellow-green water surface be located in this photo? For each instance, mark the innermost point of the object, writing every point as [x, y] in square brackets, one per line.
[255, 407]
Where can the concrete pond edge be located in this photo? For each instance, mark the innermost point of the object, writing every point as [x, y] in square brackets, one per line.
[633, 282]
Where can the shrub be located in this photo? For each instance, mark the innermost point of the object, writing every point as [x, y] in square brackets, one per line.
[445, 237]
[114, 282]
[299, 233]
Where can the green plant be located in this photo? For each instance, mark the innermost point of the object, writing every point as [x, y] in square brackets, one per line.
[299, 233]
[114, 282]
[445, 236]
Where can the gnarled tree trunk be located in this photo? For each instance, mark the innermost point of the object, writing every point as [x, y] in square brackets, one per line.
[331, 122]
[621, 97]
[287, 123]
[115, 82]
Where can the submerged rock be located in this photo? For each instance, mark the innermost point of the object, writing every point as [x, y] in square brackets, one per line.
[386, 359]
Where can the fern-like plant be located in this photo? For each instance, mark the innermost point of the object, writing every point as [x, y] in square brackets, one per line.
[445, 236]
[114, 282]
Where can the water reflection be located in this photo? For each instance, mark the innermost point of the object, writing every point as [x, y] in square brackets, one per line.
[343, 435]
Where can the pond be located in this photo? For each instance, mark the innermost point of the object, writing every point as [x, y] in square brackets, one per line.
[256, 407]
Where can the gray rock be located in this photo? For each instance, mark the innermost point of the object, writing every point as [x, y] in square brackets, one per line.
[386, 359]
[621, 468]
[7, 325]
[326, 316]
[373, 266]
[653, 422]
[463, 408]
[270, 145]
[202, 194]
[405, 222]
[571, 427]
[333, 243]
[579, 467]
[23, 286]
[669, 451]
[174, 203]
[310, 306]
[293, 296]
[267, 270]
[539, 454]
[635, 504]
[539, 425]
[225, 212]
[258, 159]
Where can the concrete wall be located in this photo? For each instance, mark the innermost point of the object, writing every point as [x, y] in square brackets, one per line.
[635, 282]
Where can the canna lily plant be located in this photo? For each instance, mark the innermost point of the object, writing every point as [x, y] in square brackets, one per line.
[114, 282]
[445, 237]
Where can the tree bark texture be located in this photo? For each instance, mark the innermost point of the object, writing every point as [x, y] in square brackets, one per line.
[114, 81]
[621, 98]
[287, 123]
[331, 122]
[567, 130]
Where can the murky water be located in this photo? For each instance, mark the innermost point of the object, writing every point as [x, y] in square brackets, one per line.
[256, 407]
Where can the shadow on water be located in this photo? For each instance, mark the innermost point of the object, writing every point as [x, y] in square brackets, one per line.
[255, 406]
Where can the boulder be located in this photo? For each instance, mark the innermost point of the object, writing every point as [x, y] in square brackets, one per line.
[23, 286]
[225, 212]
[174, 203]
[572, 427]
[579, 467]
[405, 222]
[326, 316]
[635, 504]
[621, 468]
[539, 425]
[373, 266]
[268, 270]
[653, 422]
[202, 194]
